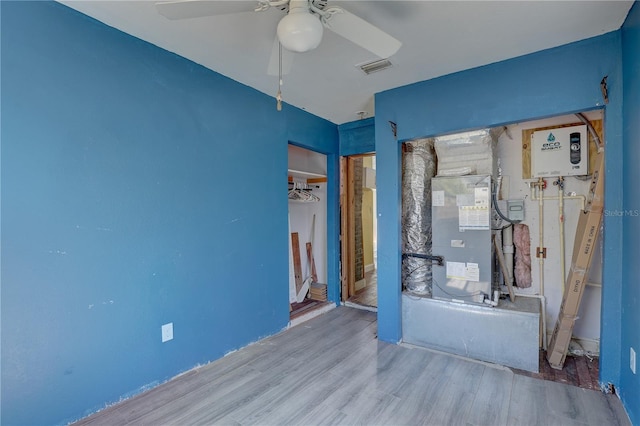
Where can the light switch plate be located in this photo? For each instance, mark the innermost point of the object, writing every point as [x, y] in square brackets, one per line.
[167, 332]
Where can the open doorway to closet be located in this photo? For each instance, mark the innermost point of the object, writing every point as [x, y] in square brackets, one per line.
[307, 196]
[358, 234]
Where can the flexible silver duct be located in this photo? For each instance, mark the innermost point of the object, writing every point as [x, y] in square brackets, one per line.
[419, 166]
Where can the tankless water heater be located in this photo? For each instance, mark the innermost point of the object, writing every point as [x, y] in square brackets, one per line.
[562, 151]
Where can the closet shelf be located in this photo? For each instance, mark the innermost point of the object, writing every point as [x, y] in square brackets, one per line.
[309, 176]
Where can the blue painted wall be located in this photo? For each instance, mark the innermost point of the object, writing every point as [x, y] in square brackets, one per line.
[558, 81]
[629, 388]
[135, 191]
[357, 137]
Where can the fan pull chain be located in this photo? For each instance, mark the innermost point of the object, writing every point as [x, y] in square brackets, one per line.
[279, 94]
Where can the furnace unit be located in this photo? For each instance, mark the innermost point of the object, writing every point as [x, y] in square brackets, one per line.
[461, 214]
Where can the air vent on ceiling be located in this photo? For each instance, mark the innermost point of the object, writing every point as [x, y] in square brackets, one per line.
[378, 65]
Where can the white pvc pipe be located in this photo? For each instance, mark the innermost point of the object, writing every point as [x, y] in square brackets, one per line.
[540, 249]
[561, 230]
[507, 250]
[539, 253]
[537, 194]
[582, 198]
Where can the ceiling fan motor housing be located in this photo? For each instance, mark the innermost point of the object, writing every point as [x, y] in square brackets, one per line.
[300, 31]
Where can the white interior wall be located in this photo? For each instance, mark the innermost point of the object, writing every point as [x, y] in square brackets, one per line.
[307, 160]
[301, 214]
[510, 154]
[301, 220]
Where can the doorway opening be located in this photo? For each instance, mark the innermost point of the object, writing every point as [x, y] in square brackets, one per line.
[307, 196]
[358, 234]
[543, 214]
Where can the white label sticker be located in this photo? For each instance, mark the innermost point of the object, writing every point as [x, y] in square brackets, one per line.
[473, 272]
[482, 197]
[457, 270]
[457, 243]
[473, 218]
[437, 198]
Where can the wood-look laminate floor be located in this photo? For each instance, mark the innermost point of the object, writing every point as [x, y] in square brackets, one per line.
[367, 296]
[332, 370]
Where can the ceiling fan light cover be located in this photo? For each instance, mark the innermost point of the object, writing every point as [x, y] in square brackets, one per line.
[300, 31]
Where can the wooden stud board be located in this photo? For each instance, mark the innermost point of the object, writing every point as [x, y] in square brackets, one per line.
[526, 145]
[297, 265]
[317, 180]
[587, 232]
[351, 228]
[312, 262]
[344, 249]
[311, 180]
[347, 224]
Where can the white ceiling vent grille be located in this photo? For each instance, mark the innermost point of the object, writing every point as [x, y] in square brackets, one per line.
[378, 65]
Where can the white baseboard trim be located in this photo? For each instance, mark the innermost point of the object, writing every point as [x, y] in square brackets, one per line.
[584, 346]
[363, 307]
[314, 313]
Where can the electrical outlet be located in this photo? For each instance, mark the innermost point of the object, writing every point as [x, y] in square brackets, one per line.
[632, 360]
[167, 332]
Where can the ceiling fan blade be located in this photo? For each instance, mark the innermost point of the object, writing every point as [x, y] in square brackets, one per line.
[362, 33]
[186, 9]
[287, 59]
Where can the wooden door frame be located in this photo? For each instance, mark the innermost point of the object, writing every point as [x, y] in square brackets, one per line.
[347, 225]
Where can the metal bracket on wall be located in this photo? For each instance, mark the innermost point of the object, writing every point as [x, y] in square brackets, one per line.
[604, 89]
[394, 128]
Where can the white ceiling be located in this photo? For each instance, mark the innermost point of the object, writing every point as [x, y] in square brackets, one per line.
[439, 37]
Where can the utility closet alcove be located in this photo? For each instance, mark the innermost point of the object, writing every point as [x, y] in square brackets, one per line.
[493, 230]
[307, 195]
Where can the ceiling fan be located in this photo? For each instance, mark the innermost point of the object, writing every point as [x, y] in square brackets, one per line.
[300, 30]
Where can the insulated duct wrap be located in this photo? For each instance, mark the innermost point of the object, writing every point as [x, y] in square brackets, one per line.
[419, 166]
[469, 153]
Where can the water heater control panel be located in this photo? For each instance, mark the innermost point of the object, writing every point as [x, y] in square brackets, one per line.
[563, 151]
